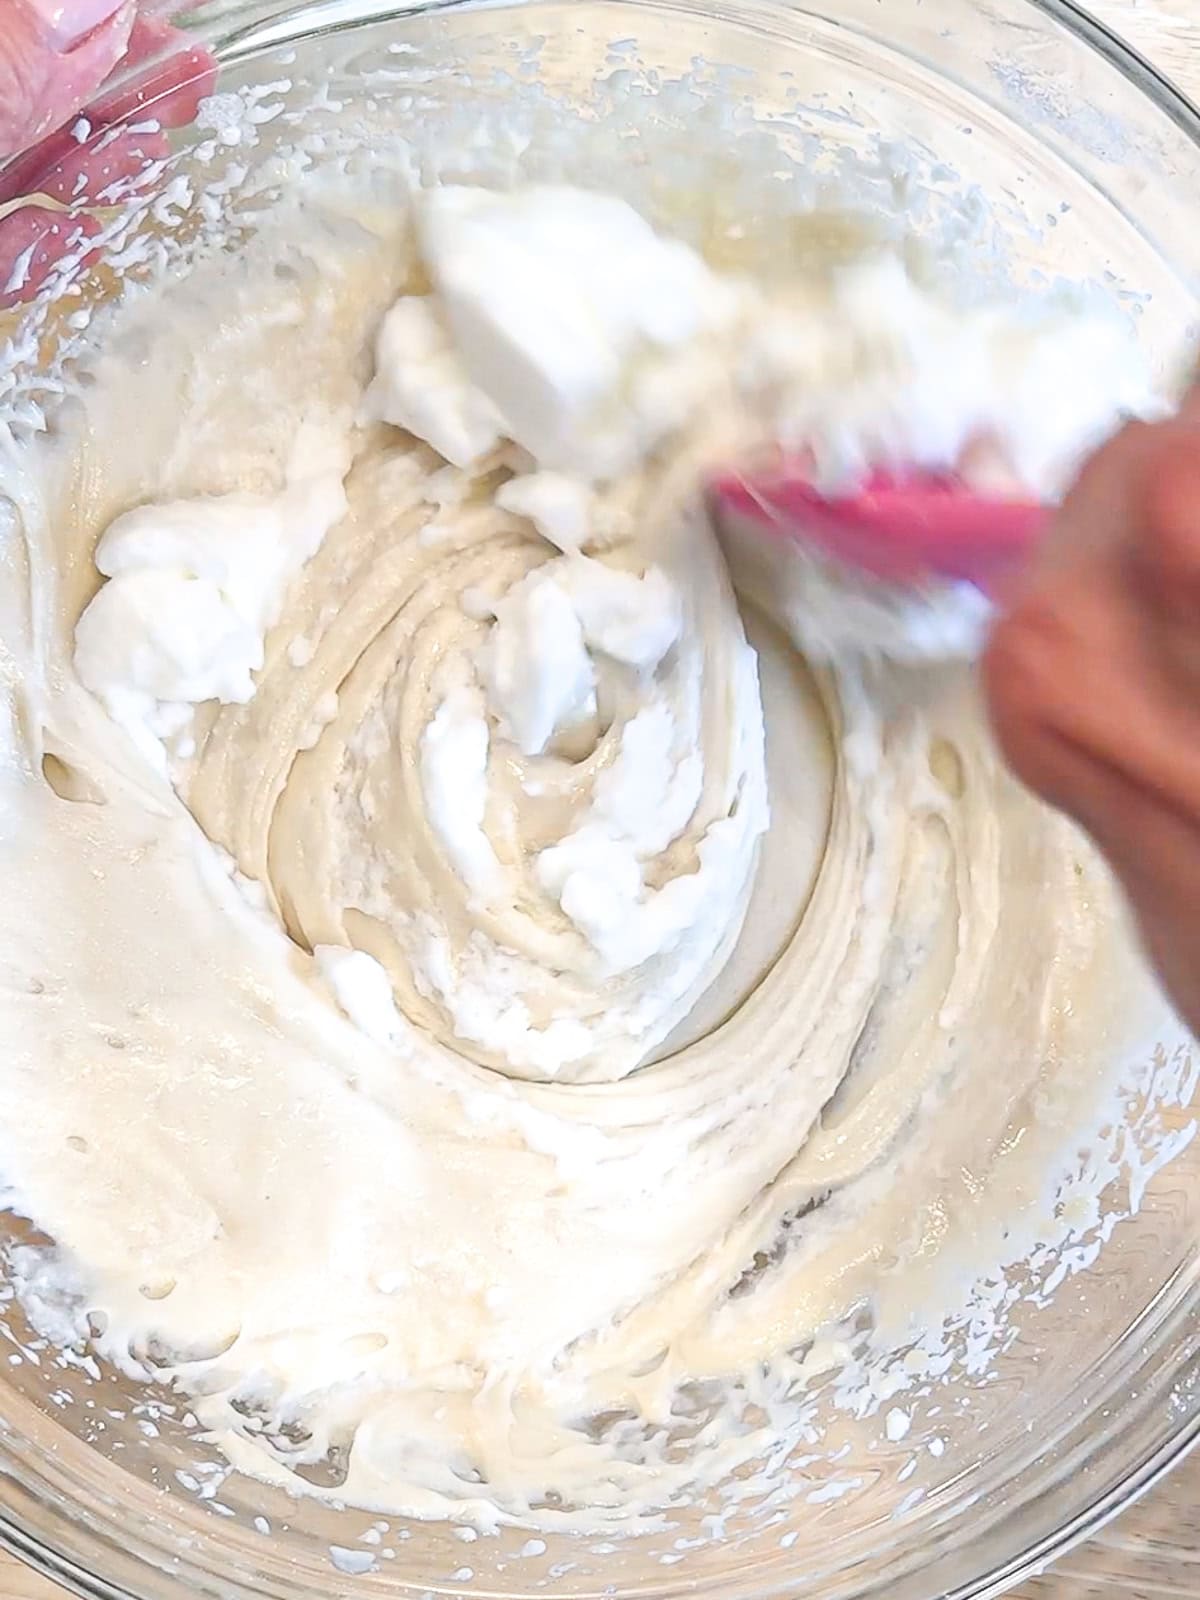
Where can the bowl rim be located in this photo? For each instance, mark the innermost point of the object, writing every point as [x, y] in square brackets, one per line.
[1128, 60]
[1184, 112]
[1029, 1563]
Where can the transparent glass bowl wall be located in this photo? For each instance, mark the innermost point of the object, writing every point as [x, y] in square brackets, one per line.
[1092, 162]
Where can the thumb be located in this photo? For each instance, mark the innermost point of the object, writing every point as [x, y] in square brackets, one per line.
[54, 54]
[63, 24]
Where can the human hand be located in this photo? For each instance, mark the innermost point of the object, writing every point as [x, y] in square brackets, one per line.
[54, 57]
[1093, 679]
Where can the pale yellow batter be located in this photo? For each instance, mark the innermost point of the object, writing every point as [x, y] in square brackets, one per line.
[475, 1257]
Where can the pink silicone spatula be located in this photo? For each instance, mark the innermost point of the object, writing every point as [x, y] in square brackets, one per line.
[900, 525]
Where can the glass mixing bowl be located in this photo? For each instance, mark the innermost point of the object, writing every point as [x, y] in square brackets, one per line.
[1089, 162]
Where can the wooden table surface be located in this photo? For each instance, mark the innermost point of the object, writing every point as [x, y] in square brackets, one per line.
[1153, 1551]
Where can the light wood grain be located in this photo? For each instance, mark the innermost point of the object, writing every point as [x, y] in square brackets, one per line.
[1167, 32]
[1153, 1551]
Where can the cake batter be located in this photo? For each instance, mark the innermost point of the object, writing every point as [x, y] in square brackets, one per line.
[483, 953]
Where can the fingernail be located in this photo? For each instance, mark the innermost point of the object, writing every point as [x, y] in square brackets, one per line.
[64, 23]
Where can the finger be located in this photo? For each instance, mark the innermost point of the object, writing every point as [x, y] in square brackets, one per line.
[178, 75]
[83, 175]
[117, 164]
[65, 23]
[109, 164]
[1153, 847]
[25, 173]
[1046, 762]
[1169, 551]
[40, 87]
[111, 167]
[1154, 852]
[1091, 512]
[32, 240]
[1079, 658]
